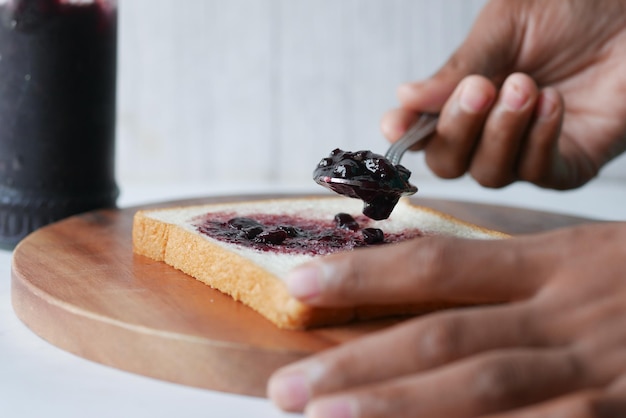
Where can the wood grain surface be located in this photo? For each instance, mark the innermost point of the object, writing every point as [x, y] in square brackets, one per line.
[78, 285]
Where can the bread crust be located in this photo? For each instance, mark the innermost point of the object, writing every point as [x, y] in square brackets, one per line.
[249, 283]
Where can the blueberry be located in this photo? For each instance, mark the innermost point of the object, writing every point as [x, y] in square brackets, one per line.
[359, 155]
[275, 237]
[403, 172]
[249, 227]
[347, 169]
[241, 223]
[291, 231]
[345, 221]
[373, 235]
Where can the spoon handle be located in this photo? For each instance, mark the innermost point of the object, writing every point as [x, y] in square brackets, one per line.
[419, 131]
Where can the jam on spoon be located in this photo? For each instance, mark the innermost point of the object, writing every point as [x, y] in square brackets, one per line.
[379, 181]
[367, 176]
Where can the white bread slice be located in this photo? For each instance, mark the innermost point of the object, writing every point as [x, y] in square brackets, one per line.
[255, 277]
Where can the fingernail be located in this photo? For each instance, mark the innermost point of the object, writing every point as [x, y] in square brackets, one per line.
[331, 408]
[548, 102]
[514, 97]
[392, 130]
[305, 282]
[473, 99]
[290, 391]
[408, 89]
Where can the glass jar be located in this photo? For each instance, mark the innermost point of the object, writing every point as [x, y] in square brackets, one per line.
[57, 111]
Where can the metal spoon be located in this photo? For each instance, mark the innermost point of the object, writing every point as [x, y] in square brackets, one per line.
[422, 128]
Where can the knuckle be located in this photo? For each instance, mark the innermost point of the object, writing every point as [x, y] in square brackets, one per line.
[533, 325]
[430, 262]
[587, 404]
[438, 341]
[499, 384]
[331, 371]
[354, 277]
[505, 380]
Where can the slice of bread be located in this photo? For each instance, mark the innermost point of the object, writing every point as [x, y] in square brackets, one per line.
[252, 271]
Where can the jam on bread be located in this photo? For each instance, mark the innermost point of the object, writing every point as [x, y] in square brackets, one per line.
[292, 234]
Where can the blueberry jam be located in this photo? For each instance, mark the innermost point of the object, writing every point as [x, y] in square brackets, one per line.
[367, 176]
[290, 234]
[373, 235]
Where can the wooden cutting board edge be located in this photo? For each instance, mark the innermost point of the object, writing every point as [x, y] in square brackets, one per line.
[216, 365]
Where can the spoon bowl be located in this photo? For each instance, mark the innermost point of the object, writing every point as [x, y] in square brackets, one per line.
[334, 183]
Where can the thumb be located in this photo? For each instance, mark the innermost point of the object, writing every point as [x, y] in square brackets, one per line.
[426, 270]
[490, 50]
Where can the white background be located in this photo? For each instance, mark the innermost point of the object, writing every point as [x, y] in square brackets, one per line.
[258, 91]
[228, 96]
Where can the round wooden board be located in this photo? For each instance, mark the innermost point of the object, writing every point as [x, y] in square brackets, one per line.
[77, 284]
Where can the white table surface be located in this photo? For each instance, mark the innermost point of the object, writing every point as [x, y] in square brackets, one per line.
[37, 379]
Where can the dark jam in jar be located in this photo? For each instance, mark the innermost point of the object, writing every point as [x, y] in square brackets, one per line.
[290, 234]
[57, 111]
[367, 176]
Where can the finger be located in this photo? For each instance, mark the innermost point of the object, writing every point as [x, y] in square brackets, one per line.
[495, 158]
[594, 313]
[428, 269]
[427, 95]
[603, 349]
[618, 387]
[396, 122]
[584, 404]
[461, 121]
[493, 382]
[416, 345]
[537, 163]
